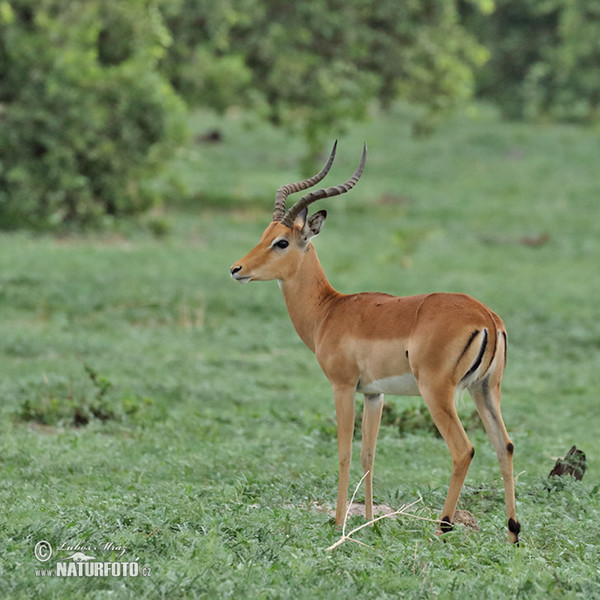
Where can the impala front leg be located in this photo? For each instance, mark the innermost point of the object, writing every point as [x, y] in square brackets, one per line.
[370, 428]
[344, 409]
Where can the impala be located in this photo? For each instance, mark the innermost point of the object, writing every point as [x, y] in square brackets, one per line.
[431, 345]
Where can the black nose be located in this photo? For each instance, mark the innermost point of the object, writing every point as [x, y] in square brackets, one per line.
[234, 269]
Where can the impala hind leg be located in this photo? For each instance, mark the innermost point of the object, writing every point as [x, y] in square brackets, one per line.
[344, 409]
[370, 428]
[487, 401]
[443, 411]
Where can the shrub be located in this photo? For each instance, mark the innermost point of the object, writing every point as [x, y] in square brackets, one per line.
[544, 57]
[85, 115]
[312, 67]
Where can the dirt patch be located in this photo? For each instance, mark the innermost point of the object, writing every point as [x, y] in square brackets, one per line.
[357, 509]
[464, 517]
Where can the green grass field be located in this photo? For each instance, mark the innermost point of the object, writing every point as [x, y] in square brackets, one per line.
[153, 411]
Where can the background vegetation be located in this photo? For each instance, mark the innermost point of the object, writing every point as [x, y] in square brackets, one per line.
[86, 116]
[149, 402]
[92, 93]
[543, 58]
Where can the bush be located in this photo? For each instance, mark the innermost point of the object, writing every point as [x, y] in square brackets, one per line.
[544, 57]
[85, 115]
[312, 67]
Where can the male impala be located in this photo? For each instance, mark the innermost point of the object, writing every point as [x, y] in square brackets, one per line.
[431, 345]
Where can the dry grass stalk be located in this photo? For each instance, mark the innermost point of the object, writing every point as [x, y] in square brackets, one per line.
[401, 511]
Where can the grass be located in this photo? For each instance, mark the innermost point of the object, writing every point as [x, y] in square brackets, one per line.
[208, 432]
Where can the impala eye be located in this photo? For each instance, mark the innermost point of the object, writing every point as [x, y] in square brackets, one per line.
[281, 244]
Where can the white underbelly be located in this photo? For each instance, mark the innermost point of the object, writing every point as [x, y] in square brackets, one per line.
[398, 385]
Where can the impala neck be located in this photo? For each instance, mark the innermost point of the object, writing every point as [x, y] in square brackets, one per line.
[308, 296]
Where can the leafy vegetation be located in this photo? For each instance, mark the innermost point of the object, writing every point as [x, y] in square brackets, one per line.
[66, 406]
[86, 117]
[543, 58]
[313, 66]
[219, 478]
[93, 93]
[88, 113]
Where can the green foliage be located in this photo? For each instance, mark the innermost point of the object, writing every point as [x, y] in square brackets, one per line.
[565, 83]
[88, 111]
[85, 114]
[74, 404]
[544, 58]
[313, 66]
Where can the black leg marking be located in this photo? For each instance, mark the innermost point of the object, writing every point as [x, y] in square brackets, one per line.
[510, 448]
[446, 525]
[472, 453]
[515, 528]
[487, 397]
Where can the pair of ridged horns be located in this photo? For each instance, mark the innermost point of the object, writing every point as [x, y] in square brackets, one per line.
[287, 217]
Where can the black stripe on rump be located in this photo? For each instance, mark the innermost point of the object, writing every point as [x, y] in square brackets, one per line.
[479, 358]
[473, 336]
[493, 352]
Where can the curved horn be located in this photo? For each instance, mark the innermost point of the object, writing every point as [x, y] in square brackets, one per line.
[291, 215]
[279, 209]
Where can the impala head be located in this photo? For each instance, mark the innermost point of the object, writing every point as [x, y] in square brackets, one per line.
[286, 239]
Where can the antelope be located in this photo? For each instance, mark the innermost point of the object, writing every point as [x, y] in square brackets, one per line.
[430, 345]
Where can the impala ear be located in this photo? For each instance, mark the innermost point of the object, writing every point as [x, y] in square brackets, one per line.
[311, 227]
[314, 224]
